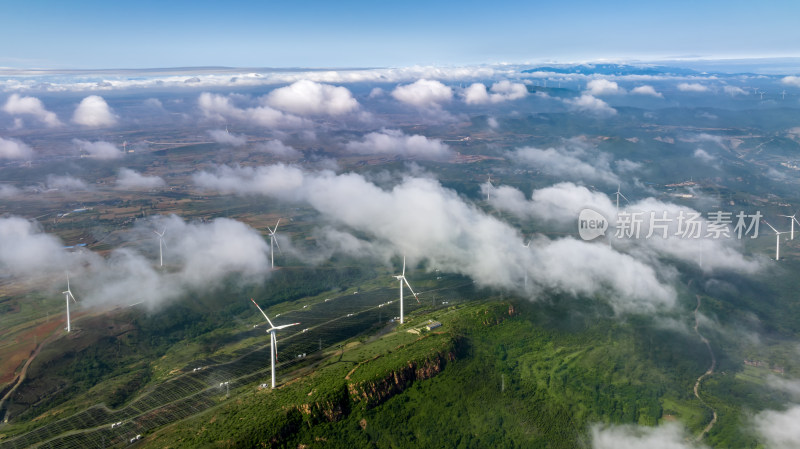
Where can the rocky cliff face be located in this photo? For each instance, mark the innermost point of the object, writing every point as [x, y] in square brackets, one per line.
[375, 392]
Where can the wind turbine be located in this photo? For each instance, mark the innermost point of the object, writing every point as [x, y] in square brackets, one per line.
[273, 342]
[783, 94]
[67, 295]
[161, 245]
[489, 189]
[777, 241]
[402, 278]
[793, 219]
[619, 194]
[527, 245]
[273, 241]
[762, 94]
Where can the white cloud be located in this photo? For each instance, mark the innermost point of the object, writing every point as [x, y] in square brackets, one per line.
[423, 93]
[99, 149]
[14, 149]
[8, 191]
[66, 183]
[221, 108]
[692, 87]
[791, 80]
[131, 180]
[603, 87]
[311, 98]
[280, 149]
[376, 92]
[492, 122]
[704, 155]
[779, 429]
[646, 90]
[224, 137]
[394, 141]
[25, 249]
[733, 91]
[666, 436]
[588, 103]
[93, 111]
[17, 105]
[561, 204]
[572, 161]
[500, 91]
[423, 220]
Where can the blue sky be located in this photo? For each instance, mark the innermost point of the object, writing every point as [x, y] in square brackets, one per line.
[143, 34]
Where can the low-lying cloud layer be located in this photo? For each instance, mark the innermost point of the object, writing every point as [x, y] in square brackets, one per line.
[423, 93]
[500, 91]
[99, 149]
[423, 220]
[392, 141]
[14, 149]
[310, 98]
[132, 180]
[221, 108]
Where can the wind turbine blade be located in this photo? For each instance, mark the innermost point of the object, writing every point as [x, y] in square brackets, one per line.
[67, 273]
[623, 196]
[73, 298]
[409, 287]
[770, 226]
[274, 342]
[276, 225]
[278, 245]
[285, 326]
[262, 312]
[404, 266]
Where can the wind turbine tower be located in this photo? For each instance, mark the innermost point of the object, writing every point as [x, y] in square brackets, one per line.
[273, 342]
[273, 242]
[777, 241]
[793, 220]
[402, 279]
[161, 245]
[67, 295]
[619, 194]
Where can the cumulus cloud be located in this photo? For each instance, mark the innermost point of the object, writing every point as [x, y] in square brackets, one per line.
[221, 108]
[280, 149]
[791, 80]
[666, 436]
[14, 149]
[131, 180]
[603, 87]
[310, 98]
[692, 87]
[646, 90]
[561, 204]
[591, 104]
[574, 160]
[499, 92]
[99, 149]
[779, 429]
[423, 220]
[423, 93]
[704, 155]
[32, 106]
[734, 91]
[66, 183]
[8, 191]
[393, 141]
[93, 111]
[224, 137]
[492, 122]
[26, 250]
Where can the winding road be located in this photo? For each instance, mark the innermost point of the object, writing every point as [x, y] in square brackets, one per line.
[708, 372]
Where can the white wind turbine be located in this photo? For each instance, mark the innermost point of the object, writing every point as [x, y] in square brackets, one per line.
[273, 242]
[777, 241]
[793, 220]
[527, 245]
[273, 342]
[161, 245]
[489, 189]
[402, 278]
[619, 194]
[67, 295]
